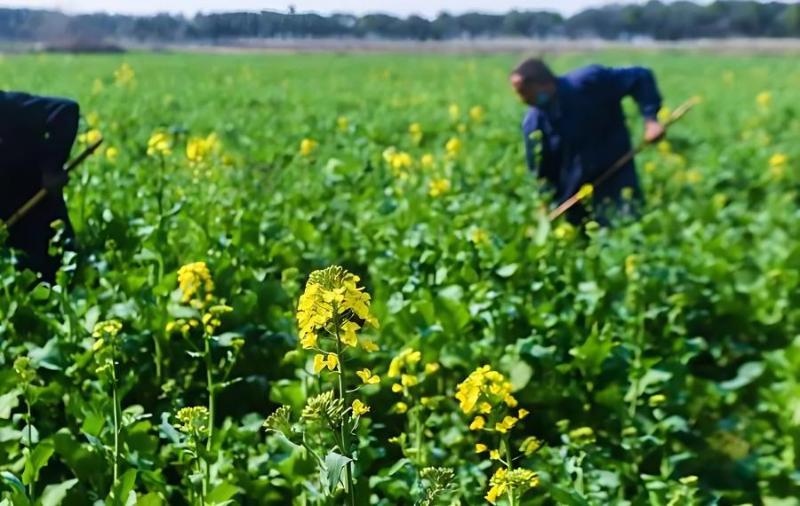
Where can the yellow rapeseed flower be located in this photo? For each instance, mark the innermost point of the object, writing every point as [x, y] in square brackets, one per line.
[478, 236]
[124, 75]
[195, 283]
[764, 99]
[308, 146]
[494, 454]
[159, 144]
[431, 367]
[359, 408]
[401, 407]
[198, 148]
[453, 147]
[90, 137]
[454, 111]
[111, 154]
[415, 129]
[480, 448]
[321, 361]
[367, 377]
[333, 296]
[476, 113]
[342, 123]
[427, 160]
[506, 425]
[478, 423]
[438, 186]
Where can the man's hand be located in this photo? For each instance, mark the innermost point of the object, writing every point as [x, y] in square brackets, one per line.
[54, 181]
[653, 130]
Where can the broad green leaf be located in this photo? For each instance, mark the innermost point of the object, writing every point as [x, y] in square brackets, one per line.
[53, 495]
[8, 402]
[334, 466]
[37, 459]
[222, 493]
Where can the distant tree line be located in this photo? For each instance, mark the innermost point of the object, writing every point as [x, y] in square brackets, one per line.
[655, 19]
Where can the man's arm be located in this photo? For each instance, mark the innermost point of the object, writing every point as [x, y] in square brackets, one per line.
[639, 83]
[536, 152]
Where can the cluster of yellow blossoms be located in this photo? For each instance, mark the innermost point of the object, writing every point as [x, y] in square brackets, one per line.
[777, 165]
[308, 146]
[159, 144]
[333, 307]
[193, 420]
[196, 284]
[199, 148]
[515, 481]
[405, 367]
[483, 389]
[124, 75]
[438, 186]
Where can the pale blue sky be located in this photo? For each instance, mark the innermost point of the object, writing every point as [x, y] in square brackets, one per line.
[405, 7]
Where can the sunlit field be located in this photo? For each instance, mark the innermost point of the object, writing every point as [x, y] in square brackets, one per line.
[201, 347]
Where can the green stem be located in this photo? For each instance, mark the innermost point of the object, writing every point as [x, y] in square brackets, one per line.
[157, 358]
[115, 399]
[211, 388]
[345, 442]
[199, 468]
[30, 444]
[507, 447]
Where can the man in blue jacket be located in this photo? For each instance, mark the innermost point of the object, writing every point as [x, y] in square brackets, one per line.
[575, 129]
[36, 136]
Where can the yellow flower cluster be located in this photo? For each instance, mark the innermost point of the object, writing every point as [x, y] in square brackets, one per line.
[198, 148]
[478, 236]
[328, 308]
[476, 113]
[777, 165]
[454, 111]
[415, 129]
[308, 146]
[453, 147]
[406, 367]
[193, 420]
[438, 186]
[515, 482]
[359, 408]
[484, 389]
[764, 99]
[90, 137]
[196, 284]
[111, 154]
[159, 144]
[342, 123]
[124, 75]
[398, 161]
[104, 331]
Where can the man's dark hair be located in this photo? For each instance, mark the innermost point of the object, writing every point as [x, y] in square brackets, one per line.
[534, 70]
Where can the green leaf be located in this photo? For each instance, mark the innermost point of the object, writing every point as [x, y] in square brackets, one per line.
[566, 497]
[507, 271]
[520, 374]
[151, 499]
[747, 373]
[9, 401]
[222, 493]
[122, 491]
[53, 495]
[12, 482]
[334, 465]
[36, 461]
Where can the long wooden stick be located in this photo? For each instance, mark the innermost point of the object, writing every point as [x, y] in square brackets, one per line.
[581, 194]
[31, 203]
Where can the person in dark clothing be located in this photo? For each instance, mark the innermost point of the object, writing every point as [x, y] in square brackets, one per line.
[36, 137]
[575, 129]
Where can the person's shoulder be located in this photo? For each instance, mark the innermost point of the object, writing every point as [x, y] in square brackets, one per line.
[586, 74]
[531, 119]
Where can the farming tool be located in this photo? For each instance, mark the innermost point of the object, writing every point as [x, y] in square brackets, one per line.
[31, 203]
[677, 114]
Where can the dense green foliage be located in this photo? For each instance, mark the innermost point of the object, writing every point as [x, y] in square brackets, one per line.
[659, 360]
